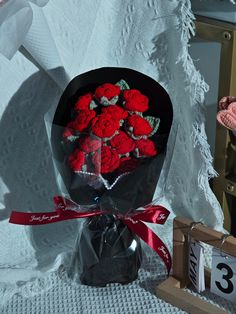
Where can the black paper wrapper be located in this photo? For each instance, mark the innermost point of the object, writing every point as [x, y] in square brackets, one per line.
[106, 250]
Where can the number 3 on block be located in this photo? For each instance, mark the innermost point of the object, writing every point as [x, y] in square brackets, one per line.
[223, 275]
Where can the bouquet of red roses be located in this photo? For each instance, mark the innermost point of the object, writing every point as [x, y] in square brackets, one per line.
[112, 148]
[111, 134]
[108, 138]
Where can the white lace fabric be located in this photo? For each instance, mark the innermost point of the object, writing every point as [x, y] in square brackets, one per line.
[148, 36]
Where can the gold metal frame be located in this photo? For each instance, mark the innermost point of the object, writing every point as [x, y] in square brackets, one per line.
[224, 186]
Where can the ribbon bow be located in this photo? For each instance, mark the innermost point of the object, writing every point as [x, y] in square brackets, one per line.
[66, 209]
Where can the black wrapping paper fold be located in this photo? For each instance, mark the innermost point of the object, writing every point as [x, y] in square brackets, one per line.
[106, 250]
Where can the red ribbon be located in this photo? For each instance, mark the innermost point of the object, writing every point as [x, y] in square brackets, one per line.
[66, 209]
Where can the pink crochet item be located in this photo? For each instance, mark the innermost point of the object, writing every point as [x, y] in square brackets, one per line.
[232, 108]
[226, 101]
[227, 118]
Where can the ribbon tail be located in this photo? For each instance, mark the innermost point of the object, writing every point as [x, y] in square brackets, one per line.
[148, 236]
[22, 218]
[152, 213]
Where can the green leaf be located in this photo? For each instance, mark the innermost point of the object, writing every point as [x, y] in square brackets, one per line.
[105, 102]
[123, 85]
[154, 122]
[72, 138]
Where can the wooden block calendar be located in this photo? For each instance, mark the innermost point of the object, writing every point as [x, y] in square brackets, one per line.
[172, 289]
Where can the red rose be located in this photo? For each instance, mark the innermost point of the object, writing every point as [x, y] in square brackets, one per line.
[138, 125]
[146, 147]
[104, 125]
[135, 101]
[89, 144]
[107, 160]
[107, 90]
[122, 143]
[117, 112]
[76, 160]
[82, 120]
[83, 102]
[128, 164]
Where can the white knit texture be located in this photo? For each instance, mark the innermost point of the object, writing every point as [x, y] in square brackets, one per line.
[146, 35]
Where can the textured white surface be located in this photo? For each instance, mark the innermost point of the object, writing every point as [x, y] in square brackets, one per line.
[56, 294]
[16, 17]
[147, 35]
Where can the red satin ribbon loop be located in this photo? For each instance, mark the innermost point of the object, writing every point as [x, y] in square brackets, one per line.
[66, 209]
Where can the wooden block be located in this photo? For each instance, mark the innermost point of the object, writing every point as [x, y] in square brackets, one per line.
[204, 234]
[170, 291]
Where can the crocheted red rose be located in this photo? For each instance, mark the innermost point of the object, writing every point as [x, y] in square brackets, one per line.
[89, 144]
[105, 126]
[128, 164]
[105, 161]
[76, 160]
[82, 120]
[83, 102]
[146, 147]
[138, 125]
[107, 90]
[122, 143]
[134, 100]
[117, 112]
